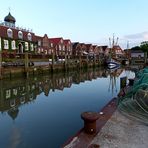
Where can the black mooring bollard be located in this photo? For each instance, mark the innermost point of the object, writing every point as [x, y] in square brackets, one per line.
[90, 121]
[123, 82]
[131, 82]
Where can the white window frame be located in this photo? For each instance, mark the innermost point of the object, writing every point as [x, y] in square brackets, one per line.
[13, 45]
[29, 36]
[39, 42]
[6, 44]
[15, 92]
[26, 46]
[8, 93]
[31, 47]
[9, 33]
[20, 35]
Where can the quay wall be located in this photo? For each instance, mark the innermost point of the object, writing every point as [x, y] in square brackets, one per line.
[26, 71]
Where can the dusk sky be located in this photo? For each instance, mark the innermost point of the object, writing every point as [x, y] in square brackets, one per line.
[92, 21]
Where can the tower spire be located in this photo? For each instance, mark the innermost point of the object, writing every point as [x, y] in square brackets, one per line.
[9, 9]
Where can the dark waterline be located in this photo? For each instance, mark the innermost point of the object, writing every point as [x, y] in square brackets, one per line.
[45, 111]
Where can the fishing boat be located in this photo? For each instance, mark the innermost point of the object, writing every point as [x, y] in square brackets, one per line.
[111, 63]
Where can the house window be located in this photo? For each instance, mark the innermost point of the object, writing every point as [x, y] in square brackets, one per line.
[12, 103]
[15, 92]
[6, 46]
[39, 43]
[51, 44]
[31, 47]
[13, 45]
[8, 94]
[9, 33]
[29, 36]
[20, 35]
[60, 48]
[26, 45]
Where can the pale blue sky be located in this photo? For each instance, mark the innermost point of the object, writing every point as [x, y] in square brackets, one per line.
[82, 20]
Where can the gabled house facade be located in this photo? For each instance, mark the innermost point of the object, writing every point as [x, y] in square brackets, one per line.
[58, 45]
[118, 52]
[68, 47]
[76, 49]
[14, 39]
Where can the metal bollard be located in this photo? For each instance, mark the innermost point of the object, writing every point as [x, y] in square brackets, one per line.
[90, 121]
[131, 82]
[123, 82]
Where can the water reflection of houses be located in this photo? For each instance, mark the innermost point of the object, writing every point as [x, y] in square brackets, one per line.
[14, 94]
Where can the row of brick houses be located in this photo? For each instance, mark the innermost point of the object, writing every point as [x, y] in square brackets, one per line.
[18, 41]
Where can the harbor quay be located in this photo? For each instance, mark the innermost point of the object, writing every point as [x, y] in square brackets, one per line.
[122, 122]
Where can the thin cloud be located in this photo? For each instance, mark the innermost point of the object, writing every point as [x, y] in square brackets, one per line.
[138, 36]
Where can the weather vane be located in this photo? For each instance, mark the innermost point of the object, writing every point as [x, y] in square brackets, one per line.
[9, 9]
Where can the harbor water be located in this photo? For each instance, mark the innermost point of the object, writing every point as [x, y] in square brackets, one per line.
[45, 111]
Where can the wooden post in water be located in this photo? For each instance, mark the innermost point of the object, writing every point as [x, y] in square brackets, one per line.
[52, 67]
[87, 60]
[26, 64]
[0, 64]
[65, 63]
[80, 61]
[94, 57]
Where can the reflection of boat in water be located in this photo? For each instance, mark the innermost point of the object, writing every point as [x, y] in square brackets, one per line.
[114, 73]
[112, 64]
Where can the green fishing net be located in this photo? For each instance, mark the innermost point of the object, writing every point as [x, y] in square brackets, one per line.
[134, 102]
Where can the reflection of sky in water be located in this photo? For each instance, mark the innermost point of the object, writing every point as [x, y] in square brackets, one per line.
[49, 120]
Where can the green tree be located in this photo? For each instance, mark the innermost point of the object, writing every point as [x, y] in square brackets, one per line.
[136, 48]
[144, 46]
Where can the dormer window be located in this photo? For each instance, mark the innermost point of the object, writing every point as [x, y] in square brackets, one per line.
[9, 33]
[29, 36]
[20, 35]
[39, 43]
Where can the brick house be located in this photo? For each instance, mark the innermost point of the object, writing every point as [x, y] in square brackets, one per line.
[89, 48]
[118, 52]
[58, 45]
[43, 45]
[76, 49]
[68, 47]
[14, 39]
[96, 49]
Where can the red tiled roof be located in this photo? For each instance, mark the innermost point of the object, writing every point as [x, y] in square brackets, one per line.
[3, 33]
[117, 47]
[66, 41]
[88, 45]
[55, 40]
[94, 46]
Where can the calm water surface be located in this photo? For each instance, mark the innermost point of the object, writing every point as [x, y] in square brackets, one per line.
[45, 111]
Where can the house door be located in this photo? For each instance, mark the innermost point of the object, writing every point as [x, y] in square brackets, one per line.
[20, 48]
